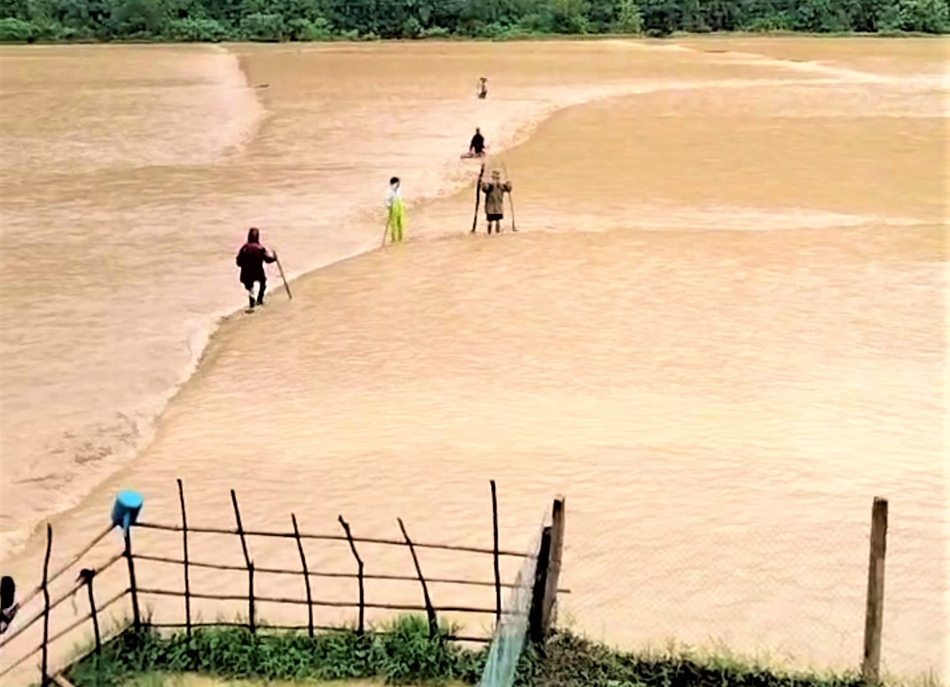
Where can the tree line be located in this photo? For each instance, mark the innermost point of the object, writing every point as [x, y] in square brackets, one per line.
[315, 20]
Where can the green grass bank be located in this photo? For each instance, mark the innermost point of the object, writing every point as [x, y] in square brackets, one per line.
[403, 653]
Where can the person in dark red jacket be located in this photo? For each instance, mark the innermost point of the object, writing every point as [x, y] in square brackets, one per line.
[251, 259]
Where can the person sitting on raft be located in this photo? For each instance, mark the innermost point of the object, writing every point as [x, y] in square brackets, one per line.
[251, 259]
[495, 200]
[477, 147]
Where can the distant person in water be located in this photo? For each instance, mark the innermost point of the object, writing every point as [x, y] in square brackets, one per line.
[482, 88]
[477, 147]
[251, 259]
[8, 604]
[494, 191]
[396, 213]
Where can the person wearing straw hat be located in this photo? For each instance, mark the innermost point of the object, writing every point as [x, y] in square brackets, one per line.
[494, 191]
[251, 259]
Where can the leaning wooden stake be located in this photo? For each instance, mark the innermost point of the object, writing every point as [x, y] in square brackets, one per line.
[306, 576]
[184, 543]
[133, 588]
[494, 512]
[430, 612]
[873, 622]
[359, 570]
[247, 563]
[49, 548]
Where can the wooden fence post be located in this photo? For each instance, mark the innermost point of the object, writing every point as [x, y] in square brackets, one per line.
[133, 588]
[874, 616]
[86, 575]
[306, 576]
[547, 572]
[554, 565]
[49, 548]
[535, 629]
[247, 563]
[430, 612]
[359, 569]
[494, 512]
[184, 543]
[250, 598]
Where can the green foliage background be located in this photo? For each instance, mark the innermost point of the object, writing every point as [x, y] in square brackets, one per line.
[310, 20]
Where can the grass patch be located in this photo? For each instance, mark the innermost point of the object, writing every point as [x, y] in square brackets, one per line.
[403, 653]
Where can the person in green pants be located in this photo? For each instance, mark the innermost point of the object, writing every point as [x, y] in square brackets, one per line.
[396, 221]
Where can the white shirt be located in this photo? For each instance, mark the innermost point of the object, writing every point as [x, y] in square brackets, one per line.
[394, 194]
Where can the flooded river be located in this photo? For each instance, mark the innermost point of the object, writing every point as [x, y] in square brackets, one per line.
[720, 330]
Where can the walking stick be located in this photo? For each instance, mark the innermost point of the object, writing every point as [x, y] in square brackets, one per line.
[283, 278]
[478, 197]
[511, 203]
[385, 231]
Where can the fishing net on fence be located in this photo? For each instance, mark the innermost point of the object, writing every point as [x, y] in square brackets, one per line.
[510, 633]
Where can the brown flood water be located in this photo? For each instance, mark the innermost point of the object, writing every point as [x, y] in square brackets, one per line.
[720, 331]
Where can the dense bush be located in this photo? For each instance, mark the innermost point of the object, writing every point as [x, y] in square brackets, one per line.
[278, 20]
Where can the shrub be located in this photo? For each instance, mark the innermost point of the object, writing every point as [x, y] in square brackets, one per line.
[196, 30]
[18, 31]
[436, 32]
[263, 27]
[307, 30]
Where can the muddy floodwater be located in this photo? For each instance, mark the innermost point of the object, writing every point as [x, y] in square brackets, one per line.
[720, 330]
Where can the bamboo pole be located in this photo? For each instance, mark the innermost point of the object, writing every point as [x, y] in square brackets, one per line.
[49, 548]
[433, 621]
[333, 537]
[329, 604]
[874, 615]
[359, 567]
[306, 576]
[184, 544]
[494, 510]
[332, 575]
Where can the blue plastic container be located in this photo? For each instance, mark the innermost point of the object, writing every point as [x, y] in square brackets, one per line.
[125, 512]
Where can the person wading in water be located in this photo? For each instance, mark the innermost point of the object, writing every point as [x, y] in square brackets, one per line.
[251, 259]
[495, 200]
[477, 147]
[482, 88]
[396, 217]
